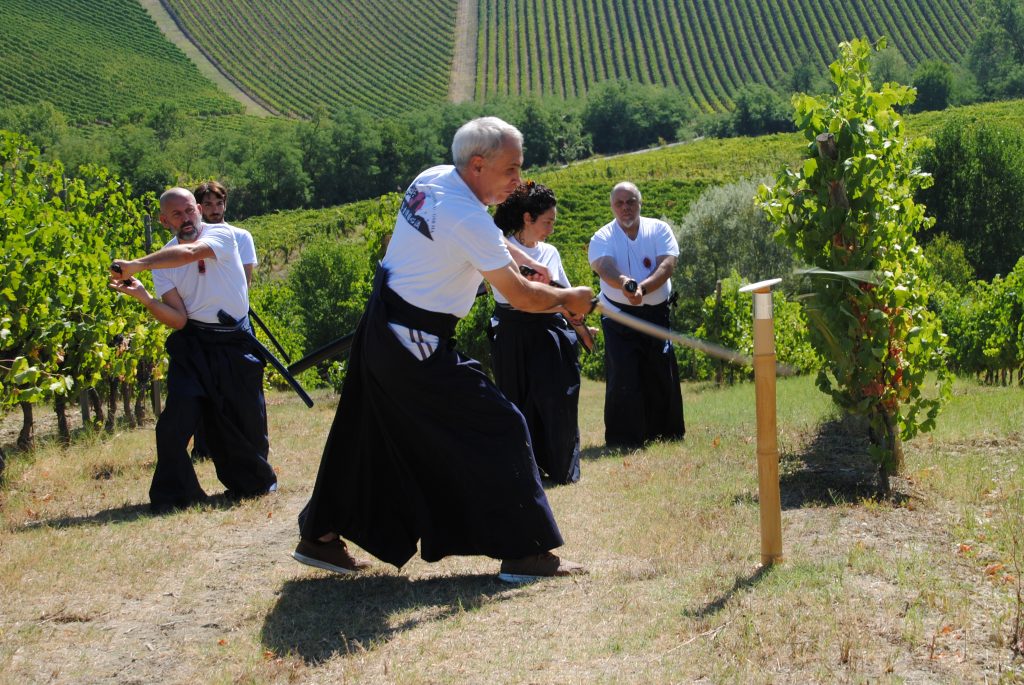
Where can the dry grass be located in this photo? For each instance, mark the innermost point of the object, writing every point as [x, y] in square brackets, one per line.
[917, 587]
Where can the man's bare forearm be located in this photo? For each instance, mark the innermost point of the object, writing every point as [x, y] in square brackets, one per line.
[167, 258]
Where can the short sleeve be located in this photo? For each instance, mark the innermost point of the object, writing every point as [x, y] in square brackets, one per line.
[560, 274]
[161, 283]
[246, 246]
[600, 246]
[667, 243]
[220, 239]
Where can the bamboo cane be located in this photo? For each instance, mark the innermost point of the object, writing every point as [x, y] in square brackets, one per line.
[767, 433]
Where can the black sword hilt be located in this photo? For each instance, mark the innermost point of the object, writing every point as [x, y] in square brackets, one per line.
[116, 268]
[528, 271]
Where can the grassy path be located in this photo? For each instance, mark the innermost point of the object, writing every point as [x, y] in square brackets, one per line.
[463, 73]
[916, 588]
[170, 28]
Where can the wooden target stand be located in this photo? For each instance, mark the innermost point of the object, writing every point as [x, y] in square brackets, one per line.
[769, 497]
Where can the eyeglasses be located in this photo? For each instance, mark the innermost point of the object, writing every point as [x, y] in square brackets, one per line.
[202, 266]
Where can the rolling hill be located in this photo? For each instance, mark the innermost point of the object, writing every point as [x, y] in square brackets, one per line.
[95, 57]
[96, 60]
[385, 56]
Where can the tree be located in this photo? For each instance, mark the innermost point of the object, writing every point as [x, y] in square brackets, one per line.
[272, 177]
[933, 80]
[978, 196]
[889, 66]
[948, 262]
[760, 110]
[805, 77]
[331, 283]
[167, 121]
[623, 115]
[549, 128]
[997, 55]
[725, 232]
[42, 123]
[849, 210]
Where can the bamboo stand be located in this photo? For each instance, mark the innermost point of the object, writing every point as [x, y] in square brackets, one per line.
[767, 433]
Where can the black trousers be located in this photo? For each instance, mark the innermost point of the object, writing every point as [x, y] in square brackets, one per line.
[643, 400]
[426, 451]
[536, 366]
[214, 375]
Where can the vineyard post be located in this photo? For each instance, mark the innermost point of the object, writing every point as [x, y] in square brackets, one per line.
[155, 389]
[83, 402]
[719, 364]
[767, 432]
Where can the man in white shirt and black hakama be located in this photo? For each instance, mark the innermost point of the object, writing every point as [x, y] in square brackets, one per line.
[424, 448]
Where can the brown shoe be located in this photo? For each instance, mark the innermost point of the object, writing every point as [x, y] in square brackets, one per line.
[330, 556]
[537, 566]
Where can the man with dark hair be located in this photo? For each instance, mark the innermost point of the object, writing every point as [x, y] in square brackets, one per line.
[213, 202]
[634, 257]
[215, 370]
[424, 448]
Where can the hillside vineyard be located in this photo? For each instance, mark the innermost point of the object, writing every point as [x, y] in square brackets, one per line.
[387, 56]
[93, 59]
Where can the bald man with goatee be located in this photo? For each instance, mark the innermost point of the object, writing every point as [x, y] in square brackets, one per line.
[215, 372]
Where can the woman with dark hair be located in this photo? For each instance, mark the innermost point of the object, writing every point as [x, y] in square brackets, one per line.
[536, 359]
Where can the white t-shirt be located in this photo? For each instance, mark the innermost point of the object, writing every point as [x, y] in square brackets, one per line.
[220, 286]
[443, 239]
[246, 246]
[546, 255]
[636, 258]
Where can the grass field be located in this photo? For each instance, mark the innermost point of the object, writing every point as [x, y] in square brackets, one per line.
[922, 586]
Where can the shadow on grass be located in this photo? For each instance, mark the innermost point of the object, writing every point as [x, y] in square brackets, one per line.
[596, 452]
[834, 468]
[720, 602]
[125, 514]
[315, 618]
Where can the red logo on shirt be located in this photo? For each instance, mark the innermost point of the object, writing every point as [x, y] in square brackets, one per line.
[647, 262]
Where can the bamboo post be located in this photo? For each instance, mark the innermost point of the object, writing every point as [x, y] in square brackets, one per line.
[767, 433]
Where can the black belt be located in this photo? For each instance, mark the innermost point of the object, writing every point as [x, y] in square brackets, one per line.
[242, 325]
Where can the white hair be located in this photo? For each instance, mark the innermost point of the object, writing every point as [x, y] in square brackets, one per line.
[626, 185]
[482, 136]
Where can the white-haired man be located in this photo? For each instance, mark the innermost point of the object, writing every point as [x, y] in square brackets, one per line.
[424, 448]
[215, 371]
[634, 256]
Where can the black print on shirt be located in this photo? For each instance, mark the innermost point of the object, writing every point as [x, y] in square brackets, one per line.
[411, 203]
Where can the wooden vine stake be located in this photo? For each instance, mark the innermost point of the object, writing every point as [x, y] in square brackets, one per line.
[767, 433]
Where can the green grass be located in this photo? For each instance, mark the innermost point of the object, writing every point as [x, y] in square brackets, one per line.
[919, 587]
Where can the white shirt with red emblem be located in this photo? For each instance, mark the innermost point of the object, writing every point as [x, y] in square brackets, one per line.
[636, 258]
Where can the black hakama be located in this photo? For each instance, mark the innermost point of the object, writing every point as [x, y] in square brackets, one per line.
[536, 365]
[214, 373]
[643, 400]
[427, 451]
